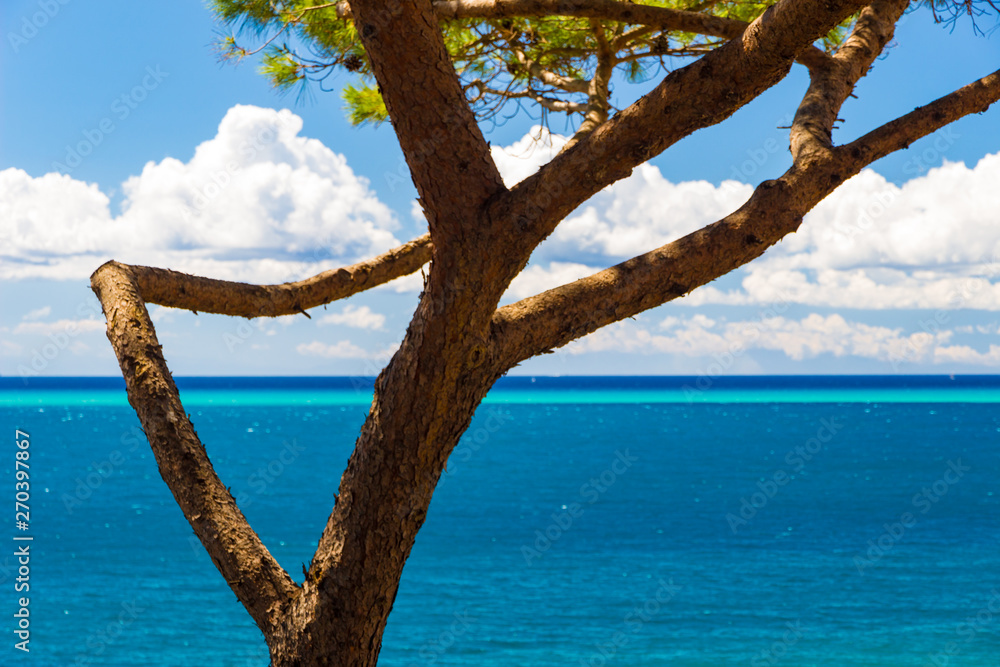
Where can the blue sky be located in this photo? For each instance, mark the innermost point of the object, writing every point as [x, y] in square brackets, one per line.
[121, 136]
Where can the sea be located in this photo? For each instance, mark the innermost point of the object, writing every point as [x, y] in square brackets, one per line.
[591, 521]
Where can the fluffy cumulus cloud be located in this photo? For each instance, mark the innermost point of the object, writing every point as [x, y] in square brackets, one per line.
[699, 336]
[643, 212]
[632, 216]
[358, 317]
[256, 202]
[931, 243]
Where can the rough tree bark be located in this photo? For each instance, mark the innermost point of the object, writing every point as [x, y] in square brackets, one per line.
[481, 235]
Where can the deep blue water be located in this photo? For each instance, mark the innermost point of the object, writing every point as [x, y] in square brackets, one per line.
[583, 521]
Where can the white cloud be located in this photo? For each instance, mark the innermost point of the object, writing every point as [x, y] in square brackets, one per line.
[257, 202]
[523, 157]
[10, 349]
[535, 279]
[942, 219]
[38, 314]
[931, 243]
[357, 317]
[160, 314]
[344, 349]
[67, 327]
[635, 215]
[643, 212]
[807, 338]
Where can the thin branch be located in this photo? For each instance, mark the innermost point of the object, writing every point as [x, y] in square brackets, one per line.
[687, 51]
[608, 10]
[631, 13]
[599, 89]
[563, 106]
[622, 40]
[702, 6]
[832, 80]
[550, 78]
[180, 290]
[264, 588]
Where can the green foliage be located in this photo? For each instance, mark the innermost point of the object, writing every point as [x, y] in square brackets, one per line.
[546, 62]
[279, 66]
[364, 105]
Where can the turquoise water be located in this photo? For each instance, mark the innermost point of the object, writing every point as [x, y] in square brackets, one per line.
[583, 521]
[101, 392]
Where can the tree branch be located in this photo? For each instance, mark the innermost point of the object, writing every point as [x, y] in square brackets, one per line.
[608, 10]
[549, 320]
[554, 318]
[622, 40]
[180, 290]
[833, 79]
[547, 77]
[898, 134]
[256, 578]
[564, 106]
[449, 159]
[599, 88]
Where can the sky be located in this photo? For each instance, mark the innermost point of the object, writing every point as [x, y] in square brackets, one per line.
[123, 137]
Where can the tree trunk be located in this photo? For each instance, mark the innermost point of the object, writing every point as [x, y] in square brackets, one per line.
[424, 400]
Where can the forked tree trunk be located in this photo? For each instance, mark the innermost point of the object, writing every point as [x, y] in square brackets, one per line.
[424, 401]
[481, 235]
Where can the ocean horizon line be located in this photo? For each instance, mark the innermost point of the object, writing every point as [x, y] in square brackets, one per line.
[562, 389]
